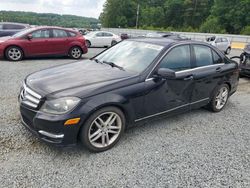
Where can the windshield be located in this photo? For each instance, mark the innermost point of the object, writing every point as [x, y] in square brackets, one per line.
[131, 55]
[210, 39]
[21, 33]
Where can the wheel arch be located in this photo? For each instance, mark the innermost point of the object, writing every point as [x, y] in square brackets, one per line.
[87, 40]
[14, 45]
[75, 45]
[229, 85]
[214, 90]
[94, 106]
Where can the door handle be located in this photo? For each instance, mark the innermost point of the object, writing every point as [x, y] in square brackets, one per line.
[190, 77]
[219, 69]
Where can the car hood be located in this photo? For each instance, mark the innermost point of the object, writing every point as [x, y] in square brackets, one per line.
[81, 79]
[3, 39]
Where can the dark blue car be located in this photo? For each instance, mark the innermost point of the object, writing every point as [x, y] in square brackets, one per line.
[94, 100]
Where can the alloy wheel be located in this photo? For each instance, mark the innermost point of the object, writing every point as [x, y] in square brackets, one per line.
[76, 53]
[14, 54]
[221, 98]
[228, 51]
[105, 129]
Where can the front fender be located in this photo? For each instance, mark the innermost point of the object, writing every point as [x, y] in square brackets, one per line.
[109, 99]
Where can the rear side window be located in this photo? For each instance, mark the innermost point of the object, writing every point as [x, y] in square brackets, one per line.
[218, 40]
[41, 34]
[177, 59]
[57, 33]
[13, 26]
[107, 35]
[217, 58]
[99, 34]
[224, 40]
[203, 55]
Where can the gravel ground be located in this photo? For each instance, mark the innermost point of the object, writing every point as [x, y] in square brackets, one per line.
[197, 149]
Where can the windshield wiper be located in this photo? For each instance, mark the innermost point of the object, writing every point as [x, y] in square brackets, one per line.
[114, 65]
[97, 61]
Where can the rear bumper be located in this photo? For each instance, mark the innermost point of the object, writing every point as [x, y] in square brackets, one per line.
[84, 49]
[245, 72]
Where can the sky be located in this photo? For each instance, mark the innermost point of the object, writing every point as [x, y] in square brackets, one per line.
[87, 8]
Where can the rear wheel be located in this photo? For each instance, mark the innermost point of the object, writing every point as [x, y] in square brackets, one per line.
[219, 99]
[103, 129]
[75, 52]
[14, 53]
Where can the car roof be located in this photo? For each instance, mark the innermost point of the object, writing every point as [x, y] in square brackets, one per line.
[101, 32]
[167, 42]
[51, 27]
[157, 41]
[14, 23]
[163, 41]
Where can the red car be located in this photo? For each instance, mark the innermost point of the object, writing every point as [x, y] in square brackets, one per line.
[43, 41]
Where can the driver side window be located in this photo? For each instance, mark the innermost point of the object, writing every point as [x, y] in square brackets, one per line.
[177, 59]
[40, 34]
[99, 34]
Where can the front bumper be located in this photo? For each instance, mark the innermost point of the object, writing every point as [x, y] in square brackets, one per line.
[50, 128]
[1, 51]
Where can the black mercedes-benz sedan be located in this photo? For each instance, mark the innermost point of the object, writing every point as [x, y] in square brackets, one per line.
[94, 100]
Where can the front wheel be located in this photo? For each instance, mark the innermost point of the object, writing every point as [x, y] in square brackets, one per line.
[219, 98]
[14, 53]
[103, 129]
[75, 52]
[88, 44]
[228, 50]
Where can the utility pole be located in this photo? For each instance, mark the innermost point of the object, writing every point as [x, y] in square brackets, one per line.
[137, 16]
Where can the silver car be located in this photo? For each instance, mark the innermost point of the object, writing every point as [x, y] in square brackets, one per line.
[222, 43]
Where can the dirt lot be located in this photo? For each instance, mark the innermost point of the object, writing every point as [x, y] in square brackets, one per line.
[197, 149]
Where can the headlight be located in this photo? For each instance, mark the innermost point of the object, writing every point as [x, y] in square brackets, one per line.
[60, 106]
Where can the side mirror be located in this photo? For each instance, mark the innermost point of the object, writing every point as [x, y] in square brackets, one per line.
[29, 36]
[166, 73]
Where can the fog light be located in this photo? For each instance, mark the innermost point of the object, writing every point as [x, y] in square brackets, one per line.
[72, 121]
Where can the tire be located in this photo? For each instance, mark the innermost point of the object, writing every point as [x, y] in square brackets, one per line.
[14, 53]
[219, 98]
[113, 43]
[88, 43]
[228, 51]
[96, 135]
[75, 52]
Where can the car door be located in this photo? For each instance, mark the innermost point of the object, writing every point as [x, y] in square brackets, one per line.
[38, 44]
[219, 44]
[99, 39]
[208, 72]
[59, 42]
[225, 44]
[167, 96]
[108, 37]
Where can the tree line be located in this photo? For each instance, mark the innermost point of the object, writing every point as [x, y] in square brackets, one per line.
[211, 16]
[48, 19]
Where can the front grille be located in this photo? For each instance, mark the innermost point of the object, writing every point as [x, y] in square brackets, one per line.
[29, 97]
